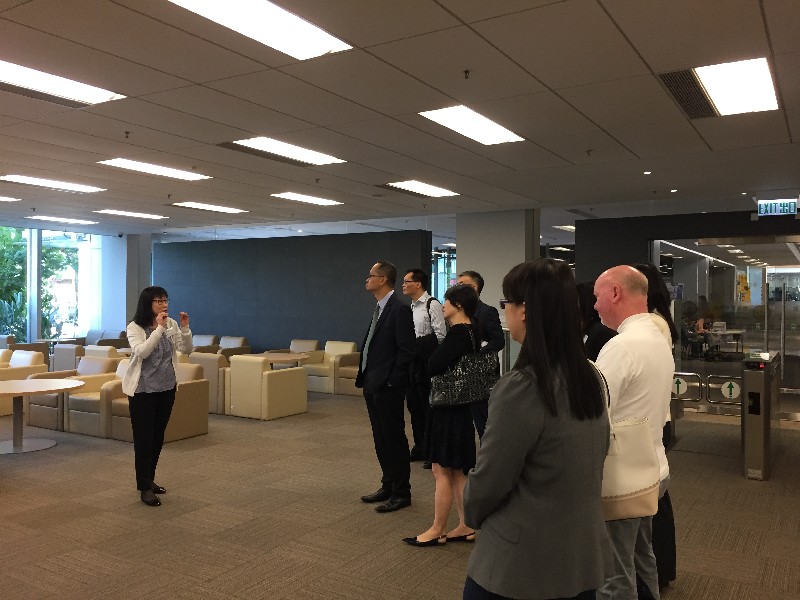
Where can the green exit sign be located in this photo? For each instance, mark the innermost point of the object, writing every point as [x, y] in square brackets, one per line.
[777, 207]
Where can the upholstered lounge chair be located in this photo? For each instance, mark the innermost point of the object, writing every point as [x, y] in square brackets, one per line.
[84, 412]
[42, 347]
[322, 366]
[21, 363]
[47, 410]
[346, 373]
[213, 366]
[254, 390]
[230, 345]
[66, 356]
[205, 343]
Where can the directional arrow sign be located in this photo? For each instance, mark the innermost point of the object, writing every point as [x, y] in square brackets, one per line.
[678, 386]
[731, 390]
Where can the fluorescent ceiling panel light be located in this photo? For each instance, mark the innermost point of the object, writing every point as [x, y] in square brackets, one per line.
[305, 198]
[143, 167]
[62, 186]
[468, 123]
[7, 199]
[739, 87]
[53, 85]
[561, 249]
[423, 189]
[125, 213]
[272, 146]
[736, 251]
[451, 245]
[647, 172]
[666, 254]
[673, 191]
[564, 227]
[211, 207]
[62, 220]
[696, 252]
[268, 24]
[724, 245]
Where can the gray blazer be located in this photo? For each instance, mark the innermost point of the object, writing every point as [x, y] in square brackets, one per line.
[535, 495]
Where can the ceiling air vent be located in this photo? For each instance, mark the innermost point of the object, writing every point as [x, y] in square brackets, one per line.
[688, 93]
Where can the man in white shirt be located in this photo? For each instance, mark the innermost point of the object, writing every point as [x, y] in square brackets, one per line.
[430, 330]
[638, 367]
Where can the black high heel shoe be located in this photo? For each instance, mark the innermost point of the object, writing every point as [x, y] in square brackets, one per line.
[413, 541]
[149, 498]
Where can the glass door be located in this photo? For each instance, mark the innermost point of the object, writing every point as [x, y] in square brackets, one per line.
[783, 323]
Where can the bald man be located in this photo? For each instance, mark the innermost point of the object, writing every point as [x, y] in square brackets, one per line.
[638, 366]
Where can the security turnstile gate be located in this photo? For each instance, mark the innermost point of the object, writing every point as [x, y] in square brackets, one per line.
[760, 408]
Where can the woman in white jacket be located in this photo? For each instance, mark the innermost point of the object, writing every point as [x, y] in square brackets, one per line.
[150, 382]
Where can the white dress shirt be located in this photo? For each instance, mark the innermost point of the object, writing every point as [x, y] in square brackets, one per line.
[425, 324]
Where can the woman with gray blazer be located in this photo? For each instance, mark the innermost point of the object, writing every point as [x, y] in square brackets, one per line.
[535, 490]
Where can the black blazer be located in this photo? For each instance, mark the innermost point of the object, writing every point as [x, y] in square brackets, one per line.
[490, 329]
[391, 349]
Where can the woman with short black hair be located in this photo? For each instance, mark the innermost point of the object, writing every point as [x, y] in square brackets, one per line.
[150, 382]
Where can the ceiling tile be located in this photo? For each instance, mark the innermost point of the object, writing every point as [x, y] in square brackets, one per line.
[742, 131]
[368, 81]
[782, 19]
[788, 77]
[683, 34]
[157, 44]
[491, 75]
[647, 141]
[478, 10]
[289, 95]
[566, 44]
[587, 148]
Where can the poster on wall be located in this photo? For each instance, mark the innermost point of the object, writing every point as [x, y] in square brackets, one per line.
[742, 287]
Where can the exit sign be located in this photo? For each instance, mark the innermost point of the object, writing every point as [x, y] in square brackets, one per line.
[777, 207]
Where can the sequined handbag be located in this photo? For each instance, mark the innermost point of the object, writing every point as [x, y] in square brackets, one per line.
[471, 380]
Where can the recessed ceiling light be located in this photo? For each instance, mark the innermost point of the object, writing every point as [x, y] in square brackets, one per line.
[724, 245]
[62, 186]
[125, 213]
[211, 207]
[564, 227]
[62, 220]
[560, 249]
[736, 251]
[278, 148]
[450, 244]
[647, 172]
[305, 198]
[143, 167]
[53, 85]
[673, 191]
[666, 254]
[475, 126]
[744, 193]
[424, 189]
[7, 199]
[744, 256]
[674, 257]
[270, 25]
[739, 87]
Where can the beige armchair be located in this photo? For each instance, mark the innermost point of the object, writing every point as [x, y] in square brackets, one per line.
[346, 372]
[66, 356]
[21, 363]
[93, 337]
[5, 357]
[255, 391]
[322, 366]
[230, 345]
[295, 346]
[84, 412]
[205, 343]
[189, 413]
[42, 347]
[47, 410]
[103, 352]
[213, 366]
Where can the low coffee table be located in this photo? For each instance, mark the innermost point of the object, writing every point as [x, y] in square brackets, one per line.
[285, 357]
[16, 389]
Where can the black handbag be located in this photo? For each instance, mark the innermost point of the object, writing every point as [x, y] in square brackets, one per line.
[471, 380]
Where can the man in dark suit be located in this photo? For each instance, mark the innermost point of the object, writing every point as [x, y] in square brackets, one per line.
[492, 339]
[387, 351]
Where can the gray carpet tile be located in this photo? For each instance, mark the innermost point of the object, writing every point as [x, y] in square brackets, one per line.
[271, 510]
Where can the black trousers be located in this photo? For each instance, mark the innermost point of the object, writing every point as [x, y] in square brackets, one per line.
[417, 399]
[474, 591]
[149, 417]
[387, 417]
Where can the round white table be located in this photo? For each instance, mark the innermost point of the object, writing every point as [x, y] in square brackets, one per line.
[16, 389]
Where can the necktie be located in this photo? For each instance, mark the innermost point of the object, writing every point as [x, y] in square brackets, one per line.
[369, 337]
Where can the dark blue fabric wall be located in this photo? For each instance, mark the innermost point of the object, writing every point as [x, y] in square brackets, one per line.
[273, 290]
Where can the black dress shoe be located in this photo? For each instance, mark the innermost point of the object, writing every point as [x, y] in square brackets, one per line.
[415, 454]
[157, 489]
[440, 541]
[381, 495]
[393, 504]
[427, 465]
[149, 498]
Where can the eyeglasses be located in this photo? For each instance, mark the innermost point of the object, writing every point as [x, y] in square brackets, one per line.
[162, 300]
[370, 276]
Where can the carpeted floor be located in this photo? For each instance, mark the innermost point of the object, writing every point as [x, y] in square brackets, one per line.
[271, 510]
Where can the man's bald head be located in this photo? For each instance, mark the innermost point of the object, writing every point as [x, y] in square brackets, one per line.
[621, 292]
